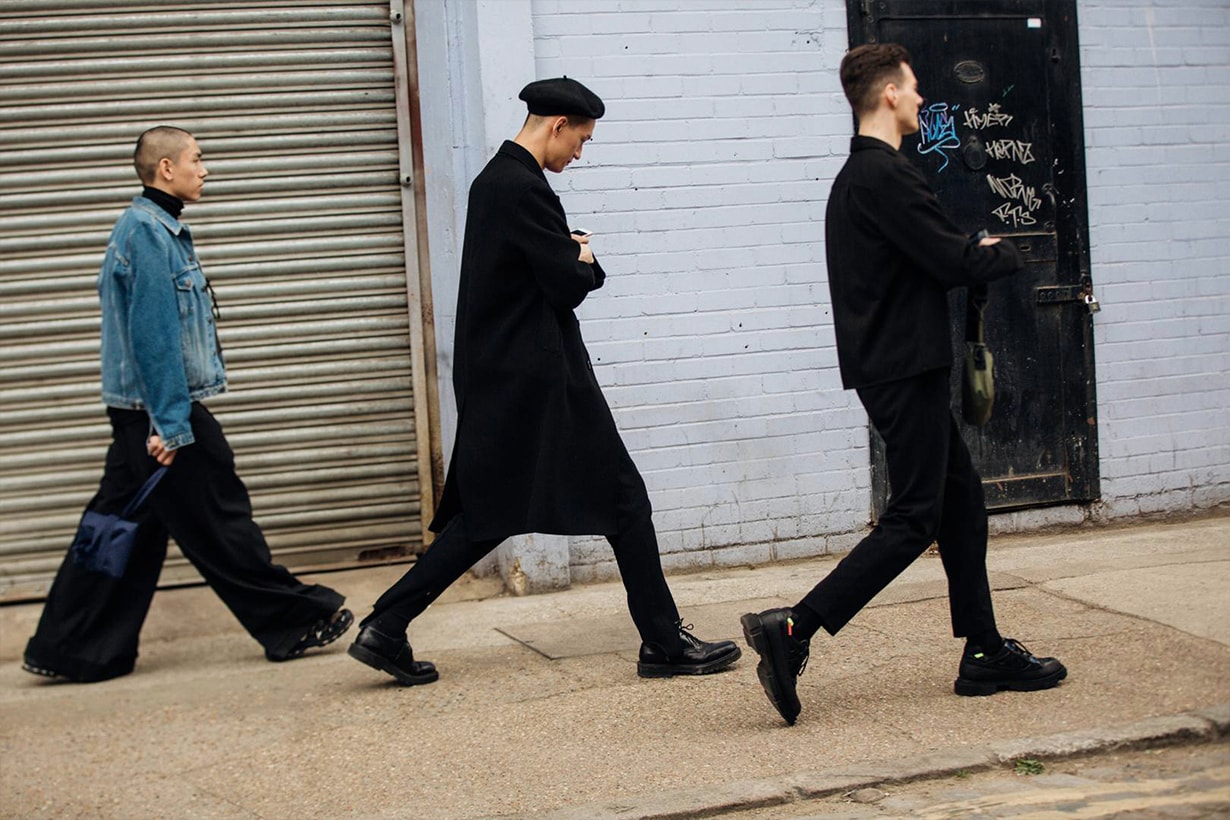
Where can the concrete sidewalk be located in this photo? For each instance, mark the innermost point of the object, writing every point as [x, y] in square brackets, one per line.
[539, 711]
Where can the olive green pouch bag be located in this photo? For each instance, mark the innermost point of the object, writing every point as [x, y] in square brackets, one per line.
[978, 380]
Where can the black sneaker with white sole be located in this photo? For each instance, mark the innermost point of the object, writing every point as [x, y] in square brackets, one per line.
[322, 633]
[45, 672]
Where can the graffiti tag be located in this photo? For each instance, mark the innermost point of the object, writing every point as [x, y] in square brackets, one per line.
[1016, 150]
[939, 131]
[993, 116]
[1011, 187]
[1014, 215]
[1022, 199]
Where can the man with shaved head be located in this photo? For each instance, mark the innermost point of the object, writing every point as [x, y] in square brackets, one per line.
[156, 144]
[160, 359]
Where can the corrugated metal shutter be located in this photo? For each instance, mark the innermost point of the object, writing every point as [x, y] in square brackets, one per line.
[300, 230]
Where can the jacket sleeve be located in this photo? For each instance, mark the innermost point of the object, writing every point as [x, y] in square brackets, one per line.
[153, 326]
[540, 232]
[599, 275]
[913, 219]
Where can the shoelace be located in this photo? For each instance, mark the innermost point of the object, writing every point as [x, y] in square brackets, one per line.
[1013, 645]
[685, 633]
[797, 647]
[801, 648]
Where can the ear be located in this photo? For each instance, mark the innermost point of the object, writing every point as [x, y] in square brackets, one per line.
[892, 93]
[557, 127]
[166, 168]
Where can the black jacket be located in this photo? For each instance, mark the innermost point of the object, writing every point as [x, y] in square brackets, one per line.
[536, 447]
[892, 257]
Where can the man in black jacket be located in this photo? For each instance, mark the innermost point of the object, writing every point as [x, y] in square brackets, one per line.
[892, 258]
[536, 448]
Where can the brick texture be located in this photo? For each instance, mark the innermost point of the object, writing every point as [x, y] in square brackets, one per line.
[705, 186]
[1156, 87]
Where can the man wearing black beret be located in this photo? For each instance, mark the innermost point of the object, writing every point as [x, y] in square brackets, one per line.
[537, 449]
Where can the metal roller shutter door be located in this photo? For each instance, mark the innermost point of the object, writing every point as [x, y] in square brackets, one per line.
[302, 230]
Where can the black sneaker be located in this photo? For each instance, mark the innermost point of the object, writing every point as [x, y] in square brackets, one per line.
[783, 657]
[45, 672]
[323, 632]
[1012, 667]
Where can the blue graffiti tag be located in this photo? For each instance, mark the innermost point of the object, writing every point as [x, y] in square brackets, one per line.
[939, 131]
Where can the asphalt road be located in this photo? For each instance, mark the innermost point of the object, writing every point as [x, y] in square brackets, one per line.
[1189, 782]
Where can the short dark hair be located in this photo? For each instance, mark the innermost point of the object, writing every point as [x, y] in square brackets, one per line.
[155, 144]
[866, 69]
[574, 120]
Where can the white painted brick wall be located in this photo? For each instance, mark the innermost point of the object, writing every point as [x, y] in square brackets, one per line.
[705, 186]
[1156, 87]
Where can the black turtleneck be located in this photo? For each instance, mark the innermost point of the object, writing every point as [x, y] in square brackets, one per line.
[171, 204]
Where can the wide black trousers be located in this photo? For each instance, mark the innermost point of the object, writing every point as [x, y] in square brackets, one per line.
[91, 623]
[635, 545]
[936, 497]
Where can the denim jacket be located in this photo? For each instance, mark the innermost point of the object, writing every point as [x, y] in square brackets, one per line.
[160, 347]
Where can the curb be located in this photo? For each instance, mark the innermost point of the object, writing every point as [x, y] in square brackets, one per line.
[1205, 724]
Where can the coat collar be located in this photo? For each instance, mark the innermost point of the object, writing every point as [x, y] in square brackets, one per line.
[514, 151]
[150, 207]
[861, 143]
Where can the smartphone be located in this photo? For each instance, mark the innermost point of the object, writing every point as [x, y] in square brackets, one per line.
[581, 232]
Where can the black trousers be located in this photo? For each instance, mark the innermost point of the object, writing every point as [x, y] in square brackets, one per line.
[636, 553]
[936, 497]
[91, 623]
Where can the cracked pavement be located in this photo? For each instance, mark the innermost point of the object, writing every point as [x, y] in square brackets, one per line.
[539, 710]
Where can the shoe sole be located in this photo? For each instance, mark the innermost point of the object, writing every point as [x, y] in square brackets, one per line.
[670, 670]
[763, 641]
[375, 661]
[980, 688]
[331, 633]
[49, 674]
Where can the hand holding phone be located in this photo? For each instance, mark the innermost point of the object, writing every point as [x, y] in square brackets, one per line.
[581, 237]
[984, 239]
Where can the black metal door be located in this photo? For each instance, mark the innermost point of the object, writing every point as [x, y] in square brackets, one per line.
[1001, 143]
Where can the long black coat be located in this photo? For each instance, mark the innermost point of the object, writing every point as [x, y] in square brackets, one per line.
[536, 447]
[893, 255]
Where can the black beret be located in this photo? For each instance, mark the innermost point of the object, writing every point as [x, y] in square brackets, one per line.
[562, 96]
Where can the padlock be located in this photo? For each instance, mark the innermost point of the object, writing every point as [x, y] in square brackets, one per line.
[1091, 302]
